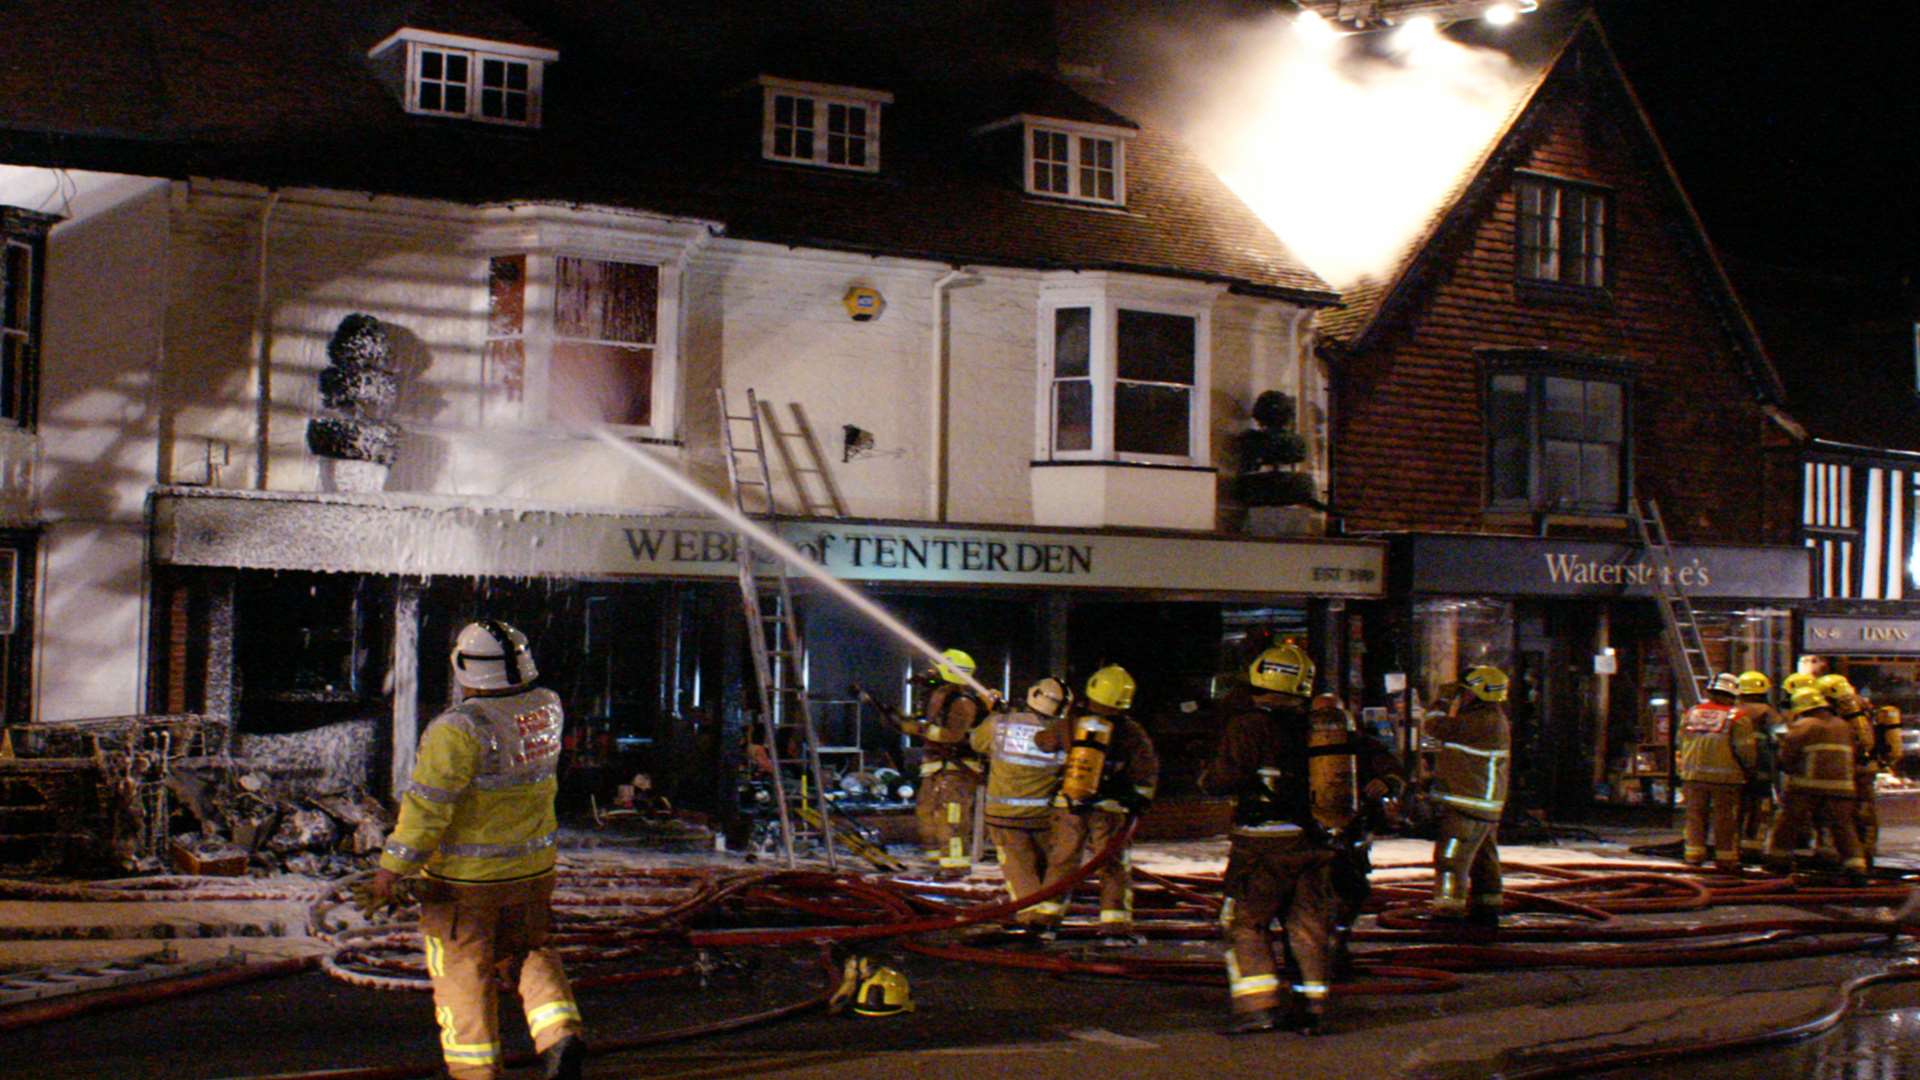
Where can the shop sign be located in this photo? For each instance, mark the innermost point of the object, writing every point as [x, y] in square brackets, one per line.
[253, 531]
[1522, 566]
[1837, 634]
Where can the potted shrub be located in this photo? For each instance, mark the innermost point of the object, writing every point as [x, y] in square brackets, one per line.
[1279, 499]
[352, 437]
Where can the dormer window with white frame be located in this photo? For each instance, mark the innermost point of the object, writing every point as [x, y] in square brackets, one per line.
[834, 127]
[1082, 162]
[464, 78]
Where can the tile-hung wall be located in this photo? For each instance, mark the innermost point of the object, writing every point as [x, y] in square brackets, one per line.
[1859, 521]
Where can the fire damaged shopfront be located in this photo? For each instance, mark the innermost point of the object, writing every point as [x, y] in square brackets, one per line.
[1576, 623]
[327, 609]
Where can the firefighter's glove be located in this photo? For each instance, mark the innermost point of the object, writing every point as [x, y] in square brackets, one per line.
[384, 891]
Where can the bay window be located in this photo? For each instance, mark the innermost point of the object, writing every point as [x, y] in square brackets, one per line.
[1123, 381]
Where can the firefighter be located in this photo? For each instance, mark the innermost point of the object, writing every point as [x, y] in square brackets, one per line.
[1382, 783]
[1470, 785]
[478, 822]
[1756, 798]
[1111, 774]
[1874, 752]
[1718, 756]
[1816, 759]
[1295, 788]
[1022, 779]
[949, 769]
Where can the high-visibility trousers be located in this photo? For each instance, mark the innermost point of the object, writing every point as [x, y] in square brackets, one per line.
[943, 809]
[1466, 866]
[1290, 882]
[1756, 816]
[476, 936]
[1078, 836]
[1713, 813]
[1800, 810]
[1023, 862]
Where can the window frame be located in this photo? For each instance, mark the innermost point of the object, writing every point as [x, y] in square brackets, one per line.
[1536, 368]
[477, 54]
[24, 232]
[1562, 187]
[1105, 304]
[823, 98]
[1077, 136]
[538, 336]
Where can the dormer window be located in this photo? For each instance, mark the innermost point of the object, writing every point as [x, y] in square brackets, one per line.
[837, 127]
[467, 78]
[1074, 160]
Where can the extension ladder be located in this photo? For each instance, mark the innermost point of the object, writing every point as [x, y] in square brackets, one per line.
[773, 632]
[41, 983]
[1685, 648]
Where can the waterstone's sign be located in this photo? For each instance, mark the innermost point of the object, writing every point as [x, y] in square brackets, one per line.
[1518, 566]
[424, 536]
[1840, 634]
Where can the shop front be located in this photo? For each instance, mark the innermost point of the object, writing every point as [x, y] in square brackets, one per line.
[1876, 645]
[1594, 698]
[283, 612]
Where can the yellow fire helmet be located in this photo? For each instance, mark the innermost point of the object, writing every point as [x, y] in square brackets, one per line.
[1111, 686]
[1725, 683]
[1833, 685]
[1792, 683]
[883, 992]
[1806, 699]
[1486, 682]
[958, 667]
[1754, 682]
[1283, 669]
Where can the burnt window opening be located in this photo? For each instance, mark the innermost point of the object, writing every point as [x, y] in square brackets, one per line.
[1557, 441]
[601, 341]
[1563, 233]
[311, 648]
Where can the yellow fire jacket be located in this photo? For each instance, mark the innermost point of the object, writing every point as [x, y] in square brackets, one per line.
[1021, 777]
[1717, 744]
[1476, 754]
[480, 806]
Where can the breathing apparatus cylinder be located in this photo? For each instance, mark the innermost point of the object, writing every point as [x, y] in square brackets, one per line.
[1087, 757]
[1332, 769]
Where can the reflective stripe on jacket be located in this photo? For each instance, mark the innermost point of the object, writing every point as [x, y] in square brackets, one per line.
[1470, 774]
[1717, 744]
[1817, 754]
[1021, 777]
[480, 805]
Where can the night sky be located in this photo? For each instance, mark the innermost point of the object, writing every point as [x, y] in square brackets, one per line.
[1794, 126]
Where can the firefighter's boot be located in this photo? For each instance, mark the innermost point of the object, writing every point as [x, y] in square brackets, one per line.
[1252, 1022]
[1307, 1015]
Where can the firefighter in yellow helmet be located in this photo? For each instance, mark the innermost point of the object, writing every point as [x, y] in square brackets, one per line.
[1756, 797]
[1296, 789]
[949, 768]
[1875, 752]
[478, 822]
[1470, 785]
[1718, 756]
[1794, 683]
[1024, 759]
[1816, 757]
[1112, 772]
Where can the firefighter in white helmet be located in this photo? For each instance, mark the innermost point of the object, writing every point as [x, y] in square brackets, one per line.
[1296, 788]
[1111, 773]
[1470, 785]
[478, 822]
[949, 768]
[1024, 760]
[1718, 756]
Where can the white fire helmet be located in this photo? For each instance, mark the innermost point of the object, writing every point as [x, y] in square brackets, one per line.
[491, 655]
[1049, 697]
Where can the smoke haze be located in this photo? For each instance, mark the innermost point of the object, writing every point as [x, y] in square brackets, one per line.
[1343, 145]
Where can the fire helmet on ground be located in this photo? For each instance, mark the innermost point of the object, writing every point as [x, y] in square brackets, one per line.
[1049, 697]
[883, 992]
[1486, 682]
[1754, 682]
[1725, 683]
[1806, 699]
[1111, 686]
[492, 655]
[957, 668]
[1283, 669]
[1795, 681]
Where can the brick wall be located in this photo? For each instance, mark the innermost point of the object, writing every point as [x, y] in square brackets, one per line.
[1410, 450]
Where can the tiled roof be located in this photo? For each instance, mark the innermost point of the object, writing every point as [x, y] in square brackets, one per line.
[282, 94]
[468, 18]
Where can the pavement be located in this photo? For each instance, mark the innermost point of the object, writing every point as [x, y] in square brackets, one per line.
[970, 1022]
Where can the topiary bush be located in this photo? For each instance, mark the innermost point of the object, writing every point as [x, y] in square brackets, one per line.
[357, 387]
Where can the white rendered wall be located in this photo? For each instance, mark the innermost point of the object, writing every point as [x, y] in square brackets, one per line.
[99, 428]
